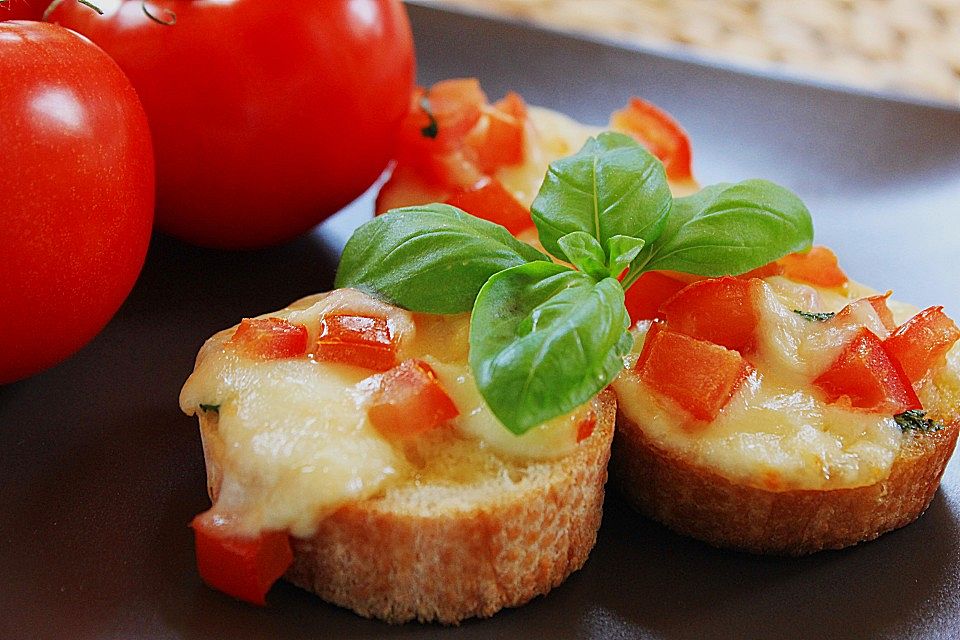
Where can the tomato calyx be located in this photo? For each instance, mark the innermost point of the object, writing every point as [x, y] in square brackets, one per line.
[56, 3]
[169, 19]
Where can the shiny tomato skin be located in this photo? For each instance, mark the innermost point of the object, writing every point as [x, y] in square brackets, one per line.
[719, 310]
[701, 377]
[269, 338]
[267, 117]
[22, 9]
[817, 266]
[868, 378]
[409, 400]
[491, 201]
[358, 340]
[76, 193]
[922, 342]
[242, 567]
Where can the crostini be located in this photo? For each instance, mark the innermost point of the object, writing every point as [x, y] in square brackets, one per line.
[755, 442]
[347, 449]
[786, 414]
[430, 440]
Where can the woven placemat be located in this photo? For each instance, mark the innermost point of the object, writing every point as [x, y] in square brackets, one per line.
[904, 46]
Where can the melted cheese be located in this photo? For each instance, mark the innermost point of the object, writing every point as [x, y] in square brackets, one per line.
[291, 440]
[776, 433]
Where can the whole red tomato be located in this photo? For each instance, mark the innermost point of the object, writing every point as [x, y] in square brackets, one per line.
[22, 9]
[267, 116]
[76, 193]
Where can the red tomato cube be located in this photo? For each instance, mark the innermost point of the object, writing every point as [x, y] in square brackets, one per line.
[718, 310]
[868, 378]
[363, 341]
[270, 338]
[490, 200]
[501, 142]
[410, 400]
[651, 290]
[241, 567]
[659, 133]
[921, 342]
[699, 376]
[818, 266]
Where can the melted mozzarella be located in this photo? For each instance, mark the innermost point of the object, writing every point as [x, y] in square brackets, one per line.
[776, 433]
[291, 440]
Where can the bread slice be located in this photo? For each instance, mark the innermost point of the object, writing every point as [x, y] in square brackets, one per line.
[442, 551]
[701, 503]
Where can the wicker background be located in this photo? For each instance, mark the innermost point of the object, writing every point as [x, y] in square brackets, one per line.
[907, 46]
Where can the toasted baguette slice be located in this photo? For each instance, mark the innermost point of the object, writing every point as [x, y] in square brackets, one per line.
[700, 503]
[431, 551]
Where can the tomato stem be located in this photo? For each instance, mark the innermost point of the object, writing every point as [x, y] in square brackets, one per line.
[169, 19]
[56, 3]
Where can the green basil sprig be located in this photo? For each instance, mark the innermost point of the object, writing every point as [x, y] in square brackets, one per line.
[545, 337]
[432, 259]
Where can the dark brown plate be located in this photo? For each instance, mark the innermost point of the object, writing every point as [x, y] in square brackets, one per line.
[100, 472]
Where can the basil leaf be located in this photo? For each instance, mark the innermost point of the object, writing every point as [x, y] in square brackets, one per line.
[622, 251]
[917, 420]
[544, 339]
[432, 259]
[815, 316]
[585, 253]
[611, 187]
[730, 229]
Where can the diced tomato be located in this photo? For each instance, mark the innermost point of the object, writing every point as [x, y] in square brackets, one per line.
[442, 115]
[718, 310]
[818, 266]
[360, 340]
[269, 338]
[767, 270]
[450, 139]
[587, 425]
[868, 378]
[407, 187]
[500, 142]
[490, 200]
[659, 132]
[433, 132]
[879, 304]
[512, 105]
[871, 312]
[410, 400]
[922, 342]
[651, 290]
[241, 567]
[699, 376]
[456, 105]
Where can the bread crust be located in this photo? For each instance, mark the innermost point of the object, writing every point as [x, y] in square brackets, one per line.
[700, 503]
[460, 563]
